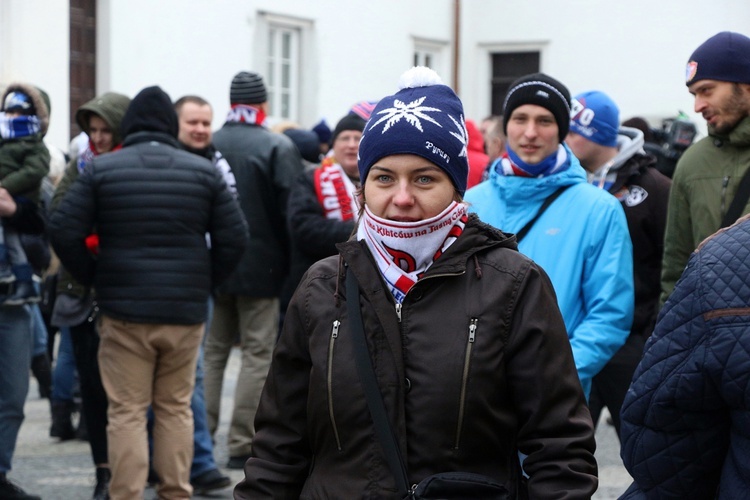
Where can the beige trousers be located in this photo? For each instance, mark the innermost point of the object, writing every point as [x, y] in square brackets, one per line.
[142, 365]
[257, 323]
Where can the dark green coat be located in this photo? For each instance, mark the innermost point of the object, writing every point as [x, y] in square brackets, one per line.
[24, 162]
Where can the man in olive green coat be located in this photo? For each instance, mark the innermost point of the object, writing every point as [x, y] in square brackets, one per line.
[708, 175]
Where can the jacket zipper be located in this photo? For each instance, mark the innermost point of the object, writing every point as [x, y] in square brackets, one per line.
[724, 184]
[465, 379]
[329, 381]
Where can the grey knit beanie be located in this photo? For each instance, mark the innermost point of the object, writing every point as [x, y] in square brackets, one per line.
[247, 88]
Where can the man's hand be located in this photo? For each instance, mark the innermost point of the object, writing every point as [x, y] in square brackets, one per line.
[7, 204]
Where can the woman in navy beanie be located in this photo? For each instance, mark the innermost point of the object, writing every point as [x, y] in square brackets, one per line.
[469, 350]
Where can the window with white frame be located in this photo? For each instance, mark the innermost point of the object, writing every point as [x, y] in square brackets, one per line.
[282, 72]
[429, 53]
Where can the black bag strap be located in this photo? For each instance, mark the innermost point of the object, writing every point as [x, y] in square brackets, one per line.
[551, 198]
[739, 201]
[383, 429]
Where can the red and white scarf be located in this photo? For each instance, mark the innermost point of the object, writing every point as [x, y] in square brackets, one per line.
[336, 192]
[405, 250]
[245, 113]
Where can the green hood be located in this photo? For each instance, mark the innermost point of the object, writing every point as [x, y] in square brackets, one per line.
[110, 107]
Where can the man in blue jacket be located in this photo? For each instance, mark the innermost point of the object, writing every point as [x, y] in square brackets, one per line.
[686, 416]
[581, 239]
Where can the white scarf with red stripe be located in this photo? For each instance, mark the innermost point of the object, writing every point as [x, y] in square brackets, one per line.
[336, 192]
[405, 250]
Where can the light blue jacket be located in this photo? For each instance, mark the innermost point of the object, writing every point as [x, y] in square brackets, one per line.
[582, 242]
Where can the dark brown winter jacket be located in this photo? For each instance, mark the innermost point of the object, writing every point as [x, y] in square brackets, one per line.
[478, 367]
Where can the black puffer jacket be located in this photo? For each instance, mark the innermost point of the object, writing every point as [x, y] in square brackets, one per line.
[478, 367]
[152, 205]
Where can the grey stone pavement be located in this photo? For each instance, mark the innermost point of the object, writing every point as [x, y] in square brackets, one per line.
[64, 471]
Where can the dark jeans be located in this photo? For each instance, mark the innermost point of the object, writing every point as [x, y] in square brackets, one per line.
[15, 359]
[611, 384]
[93, 398]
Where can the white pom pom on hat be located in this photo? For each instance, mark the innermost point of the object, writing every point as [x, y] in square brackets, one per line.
[419, 76]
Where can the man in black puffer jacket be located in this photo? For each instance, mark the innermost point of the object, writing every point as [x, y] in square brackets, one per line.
[150, 205]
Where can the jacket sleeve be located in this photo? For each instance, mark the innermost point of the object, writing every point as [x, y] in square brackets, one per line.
[281, 456]
[68, 178]
[228, 233]
[678, 239]
[287, 165]
[30, 175]
[675, 428]
[70, 224]
[309, 228]
[608, 294]
[556, 431]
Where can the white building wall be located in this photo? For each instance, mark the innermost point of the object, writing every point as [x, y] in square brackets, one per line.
[34, 45]
[351, 51]
[636, 51]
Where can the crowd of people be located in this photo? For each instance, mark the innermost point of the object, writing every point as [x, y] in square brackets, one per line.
[421, 300]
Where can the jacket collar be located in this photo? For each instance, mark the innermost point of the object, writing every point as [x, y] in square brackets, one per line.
[148, 136]
[738, 136]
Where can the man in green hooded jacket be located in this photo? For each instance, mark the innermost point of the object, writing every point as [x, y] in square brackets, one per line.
[707, 178]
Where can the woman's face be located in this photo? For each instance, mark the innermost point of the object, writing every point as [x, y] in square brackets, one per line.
[100, 134]
[407, 188]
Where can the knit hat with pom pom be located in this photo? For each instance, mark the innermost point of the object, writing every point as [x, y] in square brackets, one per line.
[424, 118]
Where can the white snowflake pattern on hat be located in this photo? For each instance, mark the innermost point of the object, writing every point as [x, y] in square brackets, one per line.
[462, 135]
[411, 112]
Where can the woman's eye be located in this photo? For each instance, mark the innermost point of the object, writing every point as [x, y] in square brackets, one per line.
[384, 178]
[423, 179]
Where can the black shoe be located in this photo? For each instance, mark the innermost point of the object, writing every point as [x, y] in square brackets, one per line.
[101, 490]
[62, 424]
[42, 370]
[237, 462]
[210, 481]
[10, 491]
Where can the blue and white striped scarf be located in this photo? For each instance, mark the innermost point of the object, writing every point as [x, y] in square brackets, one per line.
[19, 126]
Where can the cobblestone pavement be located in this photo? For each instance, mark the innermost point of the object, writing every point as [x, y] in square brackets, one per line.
[64, 471]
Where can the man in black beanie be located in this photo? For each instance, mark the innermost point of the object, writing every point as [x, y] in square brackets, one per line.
[150, 206]
[711, 183]
[264, 165]
[578, 233]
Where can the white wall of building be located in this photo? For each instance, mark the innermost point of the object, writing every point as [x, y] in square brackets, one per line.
[351, 51]
[34, 46]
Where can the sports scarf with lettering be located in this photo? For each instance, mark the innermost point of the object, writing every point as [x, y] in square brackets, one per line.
[245, 113]
[405, 250]
[335, 191]
[511, 164]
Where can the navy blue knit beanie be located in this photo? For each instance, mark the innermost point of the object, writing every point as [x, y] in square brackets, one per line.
[724, 57]
[424, 118]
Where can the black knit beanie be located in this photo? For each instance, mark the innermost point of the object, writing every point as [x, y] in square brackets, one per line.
[150, 111]
[349, 122]
[247, 88]
[544, 91]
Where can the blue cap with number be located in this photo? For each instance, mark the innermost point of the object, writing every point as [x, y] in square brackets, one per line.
[595, 116]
